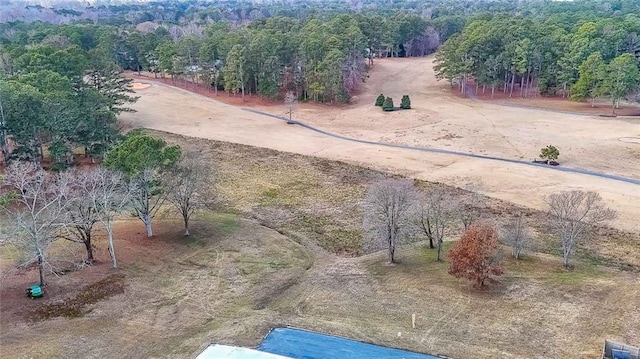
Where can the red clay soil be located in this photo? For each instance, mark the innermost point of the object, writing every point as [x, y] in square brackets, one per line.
[250, 100]
[132, 246]
[554, 103]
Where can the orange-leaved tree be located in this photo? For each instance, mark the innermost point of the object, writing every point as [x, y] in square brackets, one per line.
[475, 256]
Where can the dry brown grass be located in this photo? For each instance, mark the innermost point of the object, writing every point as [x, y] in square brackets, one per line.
[234, 279]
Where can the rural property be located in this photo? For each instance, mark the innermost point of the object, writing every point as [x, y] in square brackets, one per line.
[178, 175]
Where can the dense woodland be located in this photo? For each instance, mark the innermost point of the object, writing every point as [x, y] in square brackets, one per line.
[579, 54]
[61, 84]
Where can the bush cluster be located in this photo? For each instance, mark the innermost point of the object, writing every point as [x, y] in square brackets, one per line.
[387, 103]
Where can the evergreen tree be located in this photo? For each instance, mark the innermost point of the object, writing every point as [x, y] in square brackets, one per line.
[380, 100]
[388, 104]
[405, 103]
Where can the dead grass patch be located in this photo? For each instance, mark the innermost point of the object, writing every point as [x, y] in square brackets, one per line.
[321, 199]
[75, 306]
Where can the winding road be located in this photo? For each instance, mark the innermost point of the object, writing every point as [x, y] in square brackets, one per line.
[474, 145]
[449, 152]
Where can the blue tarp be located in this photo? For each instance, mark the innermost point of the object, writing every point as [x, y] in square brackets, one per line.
[302, 344]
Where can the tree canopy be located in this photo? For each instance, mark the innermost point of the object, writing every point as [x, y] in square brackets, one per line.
[583, 55]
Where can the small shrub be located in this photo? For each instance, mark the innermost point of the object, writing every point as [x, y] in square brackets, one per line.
[388, 104]
[405, 103]
[549, 153]
[380, 100]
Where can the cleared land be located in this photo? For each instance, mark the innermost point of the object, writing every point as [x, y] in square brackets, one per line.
[235, 279]
[439, 119]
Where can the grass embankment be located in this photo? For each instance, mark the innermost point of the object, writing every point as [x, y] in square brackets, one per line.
[233, 279]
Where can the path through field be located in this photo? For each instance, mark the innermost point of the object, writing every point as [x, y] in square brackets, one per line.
[438, 119]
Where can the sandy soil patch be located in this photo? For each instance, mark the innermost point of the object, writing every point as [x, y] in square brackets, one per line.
[438, 119]
[630, 139]
[137, 86]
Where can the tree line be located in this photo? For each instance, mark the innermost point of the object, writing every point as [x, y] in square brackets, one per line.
[57, 96]
[396, 212]
[579, 57]
[141, 175]
[321, 58]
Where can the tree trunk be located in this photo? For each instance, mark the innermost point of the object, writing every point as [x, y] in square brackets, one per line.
[613, 107]
[392, 249]
[89, 247]
[566, 252]
[186, 226]
[439, 258]
[41, 269]
[513, 80]
[504, 88]
[147, 224]
[593, 101]
[431, 245]
[112, 251]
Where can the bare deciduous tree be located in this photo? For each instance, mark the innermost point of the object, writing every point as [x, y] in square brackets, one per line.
[37, 202]
[84, 216]
[434, 214]
[469, 208]
[108, 193]
[290, 102]
[573, 214]
[516, 234]
[386, 213]
[190, 187]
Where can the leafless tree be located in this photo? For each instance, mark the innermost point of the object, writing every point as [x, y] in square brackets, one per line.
[469, 208]
[387, 217]
[37, 203]
[290, 102]
[190, 188]
[517, 235]
[573, 215]
[434, 213]
[84, 214]
[107, 193]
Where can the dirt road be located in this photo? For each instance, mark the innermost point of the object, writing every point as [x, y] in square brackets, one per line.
[438, 119]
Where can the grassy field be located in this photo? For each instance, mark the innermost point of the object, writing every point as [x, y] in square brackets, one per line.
[284, 249]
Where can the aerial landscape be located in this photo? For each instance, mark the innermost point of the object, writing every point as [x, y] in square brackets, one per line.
[320, 179]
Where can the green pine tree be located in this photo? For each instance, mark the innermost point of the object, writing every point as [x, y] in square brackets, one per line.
[380, 100]
[405, 103]
[388, 104]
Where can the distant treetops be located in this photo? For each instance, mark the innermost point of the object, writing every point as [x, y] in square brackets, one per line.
[387, 103]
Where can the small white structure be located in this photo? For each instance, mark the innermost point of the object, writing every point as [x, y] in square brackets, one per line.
[217, 351]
